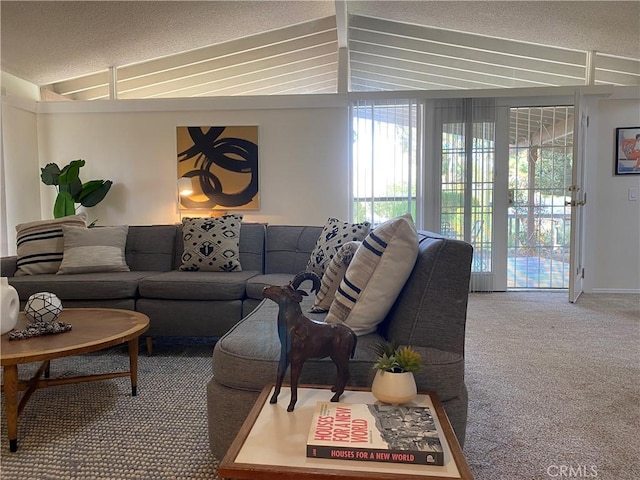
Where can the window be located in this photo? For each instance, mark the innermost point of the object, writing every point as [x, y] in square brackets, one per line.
[385, 140]
[467, 166]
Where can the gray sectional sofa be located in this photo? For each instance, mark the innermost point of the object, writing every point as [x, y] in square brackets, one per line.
[429, 313]
[179, 303]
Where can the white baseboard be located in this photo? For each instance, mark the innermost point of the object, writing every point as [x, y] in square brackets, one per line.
[627, 291]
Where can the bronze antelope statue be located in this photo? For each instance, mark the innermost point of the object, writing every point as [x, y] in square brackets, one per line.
[302, 338]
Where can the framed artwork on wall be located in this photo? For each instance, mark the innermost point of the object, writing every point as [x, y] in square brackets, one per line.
[627, 161]
[218, 168]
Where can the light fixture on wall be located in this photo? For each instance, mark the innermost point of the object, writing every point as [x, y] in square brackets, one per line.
[185, 188]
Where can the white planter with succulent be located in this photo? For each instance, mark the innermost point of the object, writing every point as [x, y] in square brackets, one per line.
[394, 382]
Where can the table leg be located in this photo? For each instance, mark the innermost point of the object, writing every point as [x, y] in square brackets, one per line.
[11, 404]
[133, 365]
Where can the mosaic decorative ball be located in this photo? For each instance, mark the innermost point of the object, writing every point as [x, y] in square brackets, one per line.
[43, 307]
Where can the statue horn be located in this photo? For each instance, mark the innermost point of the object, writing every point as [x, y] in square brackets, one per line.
[302, 276]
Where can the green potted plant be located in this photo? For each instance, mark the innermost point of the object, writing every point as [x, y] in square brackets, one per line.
[71, 190]
[394, 381]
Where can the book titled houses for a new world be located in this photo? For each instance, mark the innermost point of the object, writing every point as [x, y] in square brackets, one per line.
[375, 433]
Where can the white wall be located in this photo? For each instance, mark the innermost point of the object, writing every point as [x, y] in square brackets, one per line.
[300, 152]
[20, 172]
[612, 220]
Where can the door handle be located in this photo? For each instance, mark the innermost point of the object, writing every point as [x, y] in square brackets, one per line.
[577, 203]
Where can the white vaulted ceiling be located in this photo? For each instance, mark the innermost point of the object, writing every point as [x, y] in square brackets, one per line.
[190, 49]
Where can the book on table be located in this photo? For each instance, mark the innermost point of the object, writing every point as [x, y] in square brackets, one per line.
[375, 432]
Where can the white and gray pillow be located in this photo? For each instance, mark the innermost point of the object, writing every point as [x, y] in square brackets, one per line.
[91, 250]
[335, 233]
[40, 244]
[332, 277]
[211, 244]
[375, 276]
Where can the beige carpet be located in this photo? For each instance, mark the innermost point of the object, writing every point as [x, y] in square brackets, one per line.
[551, 385]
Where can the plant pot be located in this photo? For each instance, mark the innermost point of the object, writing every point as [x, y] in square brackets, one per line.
[9, 305]
[394, 388]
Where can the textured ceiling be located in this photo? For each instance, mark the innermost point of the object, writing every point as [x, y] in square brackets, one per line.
[46, 42]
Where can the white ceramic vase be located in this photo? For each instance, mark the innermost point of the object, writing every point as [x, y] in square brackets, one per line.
[394, 388]
[9, 306]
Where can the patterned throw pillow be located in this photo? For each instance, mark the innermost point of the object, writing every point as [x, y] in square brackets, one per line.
[375, 276]
[211, 244]
[334, 234]
[333, 276]
[40, 245]
[91, 250]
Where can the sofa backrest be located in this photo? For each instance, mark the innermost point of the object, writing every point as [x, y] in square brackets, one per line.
[431, 309]
[252, 240]
[151, 247]
[288, 248]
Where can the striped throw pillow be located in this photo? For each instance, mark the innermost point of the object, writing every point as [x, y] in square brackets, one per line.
[375, 276]
[40, 244]
[333, 275]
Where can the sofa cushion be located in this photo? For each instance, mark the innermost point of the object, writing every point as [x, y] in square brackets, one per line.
[256, 284]
[211, 244]
[288, 247]
[82, 286]
[247, 357]
[40, 244]
[99, 249]
[152, 247]
[333, 276]
[376, 275]
[178, 285]
[335, 233]
[252, 237]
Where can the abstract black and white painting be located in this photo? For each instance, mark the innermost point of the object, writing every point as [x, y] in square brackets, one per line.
[222, 165]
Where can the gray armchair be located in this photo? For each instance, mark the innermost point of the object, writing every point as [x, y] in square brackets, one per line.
[429, 314]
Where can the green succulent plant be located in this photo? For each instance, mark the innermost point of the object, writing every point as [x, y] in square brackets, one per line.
[393, 358]
[71, 190]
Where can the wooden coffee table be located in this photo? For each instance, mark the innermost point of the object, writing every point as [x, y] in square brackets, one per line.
[272, 444]
[92, 329]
